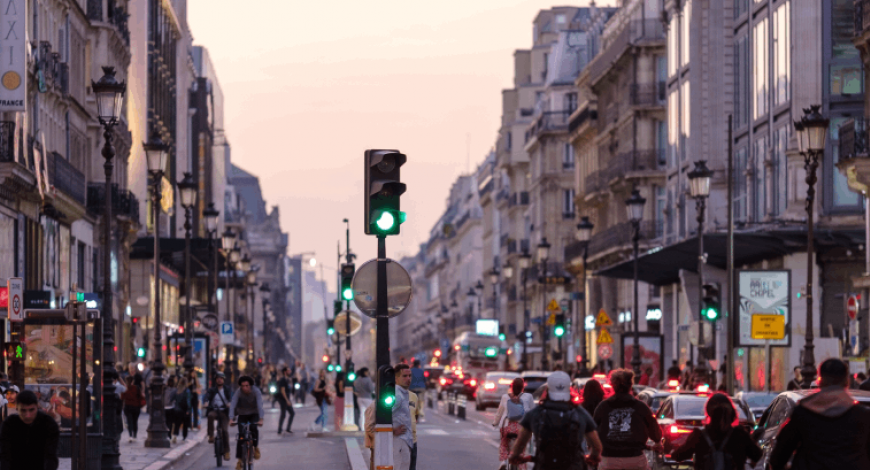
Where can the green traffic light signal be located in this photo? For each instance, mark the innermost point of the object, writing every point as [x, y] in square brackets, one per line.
[711, 314]
[330, 368]
[338, 367]
[386, 221]
[559, 331]
[490, 351]
[389, 399]
[351, 376]
[347, 294]
[80, 296]
[330, 331]
[501, 337]
[140, 352]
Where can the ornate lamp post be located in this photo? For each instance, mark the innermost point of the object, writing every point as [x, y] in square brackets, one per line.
[110, 96]
[583, 234]
[812, 131]
[493, 279]
[234, 261]
[187, 191]
[699, 183]
[156, 154]
[525, 260]
[635, 204]
[265, 292]
[543, 252]
[251, 277]
[210, 214]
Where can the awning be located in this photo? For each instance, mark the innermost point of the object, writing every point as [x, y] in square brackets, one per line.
[661, 265]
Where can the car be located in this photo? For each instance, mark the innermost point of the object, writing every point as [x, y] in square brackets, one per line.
[446, 381]
[757, 402]
[432, 374]
[534, 379]
[579, 384]
[463, 383]
[495, 385]
[778, 412]
[678, 415]
[653, 398]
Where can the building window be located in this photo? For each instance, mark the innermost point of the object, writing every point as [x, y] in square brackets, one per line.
[560, 19]
[781, 54]
[661, 143]
[843, 196]
[672, 46]
[673, 126]
[509, 140]
[740, 185]
[741, 81]
[670, 210]
[568, 204]
[740, 7]
[661, 204]
[568, 157]
[758, 181]
[686, 120]
[570, 102]
[760, 68]
[780, 169]
[685, 38]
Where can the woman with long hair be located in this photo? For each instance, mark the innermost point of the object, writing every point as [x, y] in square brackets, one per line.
[182, 409]
[132, 398]
[593, 395]
[320, 394]
[513, 406]
[722, 434]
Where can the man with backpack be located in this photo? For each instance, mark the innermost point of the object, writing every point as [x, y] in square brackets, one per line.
[625, 424]
[559, 428]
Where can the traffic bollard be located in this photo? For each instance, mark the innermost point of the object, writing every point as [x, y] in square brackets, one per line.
[429, 400]
[460, 407]
[451, 404]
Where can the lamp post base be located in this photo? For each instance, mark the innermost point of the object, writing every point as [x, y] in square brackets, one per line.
[158, 433]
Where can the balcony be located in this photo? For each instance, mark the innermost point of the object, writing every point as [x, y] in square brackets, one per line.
[595, 182]
[568, 165]
[124, 203]
[638, 160]
[118, 17]
[853, 139]
[647, 94]
[620, 235]
[519, 199]
[7, 141]
[636, 33]
[583, 117]
[862, 16]
[487, 187]
[65, 177]
[549, 121]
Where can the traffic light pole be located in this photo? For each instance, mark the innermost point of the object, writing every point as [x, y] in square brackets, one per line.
[349, 423]
[383, 416]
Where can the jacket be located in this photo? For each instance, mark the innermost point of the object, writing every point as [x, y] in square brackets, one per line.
[826, 430]
[132, 396]
[235, 402]
[212, 392]
[624, 424]
[29, 447]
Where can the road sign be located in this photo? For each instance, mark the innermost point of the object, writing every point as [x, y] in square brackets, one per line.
[209, 321]
[227, 336]
[604, 337]
[365, 288]
[602, 319]
[553, 306]
[551, 319]
[768, 326]
[852, 306]
[341, 323]
[605, 351]
[15, 286]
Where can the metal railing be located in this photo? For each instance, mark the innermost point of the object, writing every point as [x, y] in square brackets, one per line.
[7, 141]
[853, 139]
[637, 160]
[575, 250]
[621, 234]
[637, 32]
[95, 10]
[647, 94]
[596, 181]
[487, 187]
[548, 121]
[118, 17]
[124, 202]
[65, 177]
[581, 118]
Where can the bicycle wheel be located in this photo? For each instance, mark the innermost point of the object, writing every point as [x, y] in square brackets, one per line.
[247, 456]
[219, 448]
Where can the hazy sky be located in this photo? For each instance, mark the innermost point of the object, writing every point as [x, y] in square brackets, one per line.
[309, 86]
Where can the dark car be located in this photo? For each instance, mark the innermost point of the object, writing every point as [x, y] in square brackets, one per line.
[778, 412]
[534, 379]
[432, 374]
[757, 402]
[462, 383]
[653, 398]
[678, 415]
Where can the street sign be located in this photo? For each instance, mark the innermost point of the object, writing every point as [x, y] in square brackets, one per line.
[365, 288]
[340, 323]
[768, 326]
[551, 319]
[553, 306]
[605, 351]
[604, 337]
[602, 319]
[852, 306]
[227, 336]
[15, 286]
[209, 321]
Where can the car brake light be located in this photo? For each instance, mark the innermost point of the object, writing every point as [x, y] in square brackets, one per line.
[599, 376]
[505, 381]
[704, 388]
[426, 373]
[576, 399]
[674, 429]
[472, 382]
[489, 386]
[443, 381]
[673, 383]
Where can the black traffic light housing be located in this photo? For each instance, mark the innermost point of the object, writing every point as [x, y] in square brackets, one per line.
[559, 327]
[386, 394]
[711, 303]
[383, 188]
[350, 373]
[330, 327]
[336, 307]
[347, 271]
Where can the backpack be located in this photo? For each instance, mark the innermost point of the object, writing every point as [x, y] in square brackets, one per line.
[558, 437]
[182, 401]
[515, 411]
[718, 459]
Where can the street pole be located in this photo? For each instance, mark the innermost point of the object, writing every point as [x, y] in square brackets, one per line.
[348, 424]
[701, 370]
[584, 368]
[731, 319]
[383, 458]
[188, 315]
[227, 317]
[635, 352]
[525, 321]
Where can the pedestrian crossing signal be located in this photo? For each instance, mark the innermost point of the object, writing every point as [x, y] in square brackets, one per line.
[386, 393]
[140, 352]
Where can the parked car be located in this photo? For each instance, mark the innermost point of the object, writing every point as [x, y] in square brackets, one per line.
[432, 374]
[534, 379]
[757, 402]
[495, 385]
[778, 412]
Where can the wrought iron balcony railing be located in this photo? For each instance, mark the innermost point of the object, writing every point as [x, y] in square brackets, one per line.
[65, 177]
[853, 139]
[638, 160]
[519, 199]
[124, 203]
[648, 94]
[621, 234]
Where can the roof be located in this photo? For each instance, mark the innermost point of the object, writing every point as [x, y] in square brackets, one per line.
[247, 186]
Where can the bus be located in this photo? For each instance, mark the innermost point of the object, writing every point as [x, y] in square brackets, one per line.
[471, 351]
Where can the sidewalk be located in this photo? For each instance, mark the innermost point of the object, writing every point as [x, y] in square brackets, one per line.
[135, 456]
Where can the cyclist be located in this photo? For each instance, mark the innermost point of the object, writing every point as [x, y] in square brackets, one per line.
[217, 400]
[247, 407]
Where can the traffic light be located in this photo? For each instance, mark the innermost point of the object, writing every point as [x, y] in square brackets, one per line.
[337, 367]
[559, 328]
[140, 352]
[490, 351]
[336, 307]
[330, 368]
[501, 335]
[351, 374]
[386, 393]
[383, 189]
[330, 327]
[347, 271]
[711, 303]
[325, 358]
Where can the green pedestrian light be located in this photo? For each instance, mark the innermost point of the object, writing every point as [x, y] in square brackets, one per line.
[559, 331]
[80, 296]
[501, 337]
[351, 376]
[330, 368]
[711, 314]
[140, 352]
[490, 351]
[389, 399]
[330, 327]
[386, 221]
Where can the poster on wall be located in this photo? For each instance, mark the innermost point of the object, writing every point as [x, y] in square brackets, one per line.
[763, 293]
[650, 346]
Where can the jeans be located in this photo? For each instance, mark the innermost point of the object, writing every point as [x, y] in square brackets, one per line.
[255, 433]
[132, 414]
[286, 409]
[182, 423]
[321, 419]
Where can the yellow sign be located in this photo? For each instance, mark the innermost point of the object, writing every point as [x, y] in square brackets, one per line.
[553, 306]
[604, 337]
[768, 326]
[602, 319]
[551, 319]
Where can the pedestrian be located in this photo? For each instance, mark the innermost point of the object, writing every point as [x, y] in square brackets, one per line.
[418, 378]
[28, 439]
[674, 370]
[284, 395]
[305, 380]
[593, 395]
[247, 407]
[625, 424]
[217, 401]
[321, 397]
[364, 388]
[403, 438]
[559, 428]
[169, 394]
[417, 414]
[133, 403]
[182, 411]
[721, 441]
[645, 376]
[195, 392]
[827, 430]
[513, 406]
[795, 382]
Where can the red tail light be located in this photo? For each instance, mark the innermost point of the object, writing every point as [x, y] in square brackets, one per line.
[471, 382]
[488, 386]
[703, 388]
[673, 383]
[443, 381]
[674, 429]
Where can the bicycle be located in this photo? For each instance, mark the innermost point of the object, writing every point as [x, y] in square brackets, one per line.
[247, 445]
[219, 439]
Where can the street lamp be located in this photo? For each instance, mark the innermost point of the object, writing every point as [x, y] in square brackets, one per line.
[524, 261]
[156, 154]
[583, 235]
[245, 264]
[634, 205]
[110, 96]
[235, 261]
[210, 214]
[265, 292]
[228, 241]
[699, 184]
[812, 131]
[187, 192]
[543, 251]
[252, 282]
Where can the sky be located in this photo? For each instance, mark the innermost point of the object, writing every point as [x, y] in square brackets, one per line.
[309, 88]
